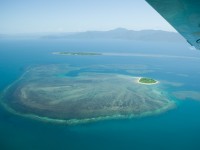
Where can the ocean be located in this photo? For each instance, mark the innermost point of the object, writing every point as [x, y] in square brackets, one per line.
[174, 64]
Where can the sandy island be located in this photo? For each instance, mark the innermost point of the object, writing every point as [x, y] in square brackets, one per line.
[77, 53]
[139, 78]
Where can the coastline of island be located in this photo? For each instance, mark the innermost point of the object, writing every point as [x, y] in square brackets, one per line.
[146, 81]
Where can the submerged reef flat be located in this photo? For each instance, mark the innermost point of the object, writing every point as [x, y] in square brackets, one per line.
[183, 95]
[45, 92]
[77, 53]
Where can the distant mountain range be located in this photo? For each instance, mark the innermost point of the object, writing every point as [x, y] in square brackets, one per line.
[119, 33]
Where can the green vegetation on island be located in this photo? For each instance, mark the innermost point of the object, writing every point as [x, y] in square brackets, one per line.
[77, 53]
[147, 81]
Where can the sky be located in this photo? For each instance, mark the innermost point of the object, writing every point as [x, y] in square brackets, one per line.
[42, 16]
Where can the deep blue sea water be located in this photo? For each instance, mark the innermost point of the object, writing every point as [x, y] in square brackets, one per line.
[177, 129]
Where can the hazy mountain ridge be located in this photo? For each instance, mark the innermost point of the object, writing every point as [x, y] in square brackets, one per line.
[121, 33]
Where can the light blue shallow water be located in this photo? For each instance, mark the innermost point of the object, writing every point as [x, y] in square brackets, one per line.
[176, 129]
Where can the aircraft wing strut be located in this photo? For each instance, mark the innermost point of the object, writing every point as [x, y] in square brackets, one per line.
[183, 15]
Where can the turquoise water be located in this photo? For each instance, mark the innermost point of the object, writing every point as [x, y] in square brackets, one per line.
[178, 128]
